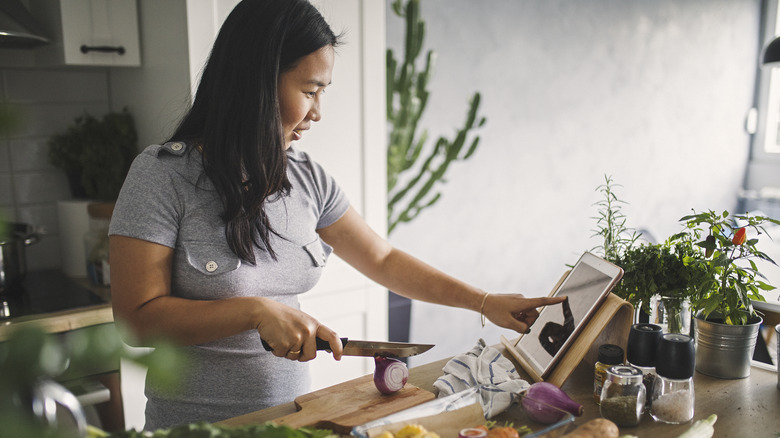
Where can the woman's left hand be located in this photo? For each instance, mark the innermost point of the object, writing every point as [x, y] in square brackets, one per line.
[515, 311]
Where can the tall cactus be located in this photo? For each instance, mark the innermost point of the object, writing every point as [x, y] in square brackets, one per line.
[407, 96]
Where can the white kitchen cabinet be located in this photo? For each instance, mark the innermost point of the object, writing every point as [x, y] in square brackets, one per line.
[89, 32]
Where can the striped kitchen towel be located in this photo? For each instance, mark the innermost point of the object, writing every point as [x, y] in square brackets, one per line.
[485, 367]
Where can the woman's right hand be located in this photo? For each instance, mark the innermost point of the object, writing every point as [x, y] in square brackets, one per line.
[293, 334]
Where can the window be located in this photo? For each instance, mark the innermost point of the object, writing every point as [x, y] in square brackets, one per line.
[762, 182]
[770, 142]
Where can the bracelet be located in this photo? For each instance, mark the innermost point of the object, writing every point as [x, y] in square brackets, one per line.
[482, 309]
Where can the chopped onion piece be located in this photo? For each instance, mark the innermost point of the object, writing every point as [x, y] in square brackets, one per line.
[472, 432]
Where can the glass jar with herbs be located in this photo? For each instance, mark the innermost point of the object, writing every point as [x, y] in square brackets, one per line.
[623, 396]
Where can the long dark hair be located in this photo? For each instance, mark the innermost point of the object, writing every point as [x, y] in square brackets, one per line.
[235, 117]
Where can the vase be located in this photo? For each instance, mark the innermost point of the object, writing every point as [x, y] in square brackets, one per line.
[723, 350]
[673, 314]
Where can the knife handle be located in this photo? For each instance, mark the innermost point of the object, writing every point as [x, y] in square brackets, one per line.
[321, 344]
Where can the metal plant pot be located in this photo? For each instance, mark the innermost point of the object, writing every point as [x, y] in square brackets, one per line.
[722, 350]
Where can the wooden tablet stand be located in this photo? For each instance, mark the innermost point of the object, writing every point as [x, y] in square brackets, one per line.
[609, 325]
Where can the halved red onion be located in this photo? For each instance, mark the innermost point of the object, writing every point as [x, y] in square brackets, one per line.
[390, 375]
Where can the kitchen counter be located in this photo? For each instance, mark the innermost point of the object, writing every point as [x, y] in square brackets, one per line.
[745, 407]
[60, 305]
[55, 303]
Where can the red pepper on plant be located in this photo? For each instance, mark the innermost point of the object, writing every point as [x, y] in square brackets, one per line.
[739, 237]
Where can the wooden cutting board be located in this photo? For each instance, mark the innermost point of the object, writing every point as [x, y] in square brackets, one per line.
[346, 405]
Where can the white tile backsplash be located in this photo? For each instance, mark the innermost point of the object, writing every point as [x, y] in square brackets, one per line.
[6, 190]
[30, 154]
[42, 216]
[38, 187]
[47, 119]
[5, 157]
[62, 86]
[45, 254]
[48, 101]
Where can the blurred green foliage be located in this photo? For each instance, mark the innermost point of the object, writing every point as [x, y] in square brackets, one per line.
[407, 96]
[96, 154]
[30, 356]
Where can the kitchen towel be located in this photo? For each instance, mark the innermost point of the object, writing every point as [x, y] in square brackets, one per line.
[486, 368]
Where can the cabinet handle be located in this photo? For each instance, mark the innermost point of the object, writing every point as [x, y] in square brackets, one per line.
[105, 49]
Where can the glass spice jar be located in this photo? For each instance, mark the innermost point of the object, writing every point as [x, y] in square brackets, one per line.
[608, 355]
[623, 396]
[673, 393]
[640, 353]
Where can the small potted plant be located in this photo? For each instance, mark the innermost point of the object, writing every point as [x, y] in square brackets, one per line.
[96, 154]
[726, 324]
[660, 280]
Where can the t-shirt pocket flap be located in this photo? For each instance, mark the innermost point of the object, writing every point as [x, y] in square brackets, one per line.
[318, 251]
[211, 259]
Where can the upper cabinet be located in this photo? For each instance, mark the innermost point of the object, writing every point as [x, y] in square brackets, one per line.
[89, 32]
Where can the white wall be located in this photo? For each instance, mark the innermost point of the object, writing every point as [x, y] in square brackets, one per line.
[653, 93]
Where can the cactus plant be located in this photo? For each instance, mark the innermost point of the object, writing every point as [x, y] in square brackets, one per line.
[407, 96]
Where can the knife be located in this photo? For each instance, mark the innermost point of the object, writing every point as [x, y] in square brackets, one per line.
[371, 348]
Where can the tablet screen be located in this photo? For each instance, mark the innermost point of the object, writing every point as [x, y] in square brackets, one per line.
[585, 286]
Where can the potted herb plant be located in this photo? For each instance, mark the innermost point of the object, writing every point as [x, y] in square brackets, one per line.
[726, 324]
[660, 280]
[656, 276]
[95, 155]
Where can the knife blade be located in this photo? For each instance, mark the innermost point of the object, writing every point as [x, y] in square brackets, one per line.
[372, 348]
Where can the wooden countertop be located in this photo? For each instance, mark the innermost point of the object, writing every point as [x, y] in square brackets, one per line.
[747, 407]
[64, 320]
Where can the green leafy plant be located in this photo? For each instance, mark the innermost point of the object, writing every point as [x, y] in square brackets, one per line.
[718, 243]
[31, 356]
[96, 154]
[203, 429]
[650, 270]
[407, 96]
[611, 224]
[663, 270]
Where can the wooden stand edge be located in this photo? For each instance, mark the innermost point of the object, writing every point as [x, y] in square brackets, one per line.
[609, 325]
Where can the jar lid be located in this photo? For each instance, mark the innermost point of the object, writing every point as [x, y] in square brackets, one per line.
[642, 341]
[624, 374]
[610, 354]
[677, 356]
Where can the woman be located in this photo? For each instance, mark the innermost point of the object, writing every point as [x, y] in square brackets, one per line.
[217, 230]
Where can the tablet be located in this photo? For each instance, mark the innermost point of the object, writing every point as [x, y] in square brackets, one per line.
[586, 286]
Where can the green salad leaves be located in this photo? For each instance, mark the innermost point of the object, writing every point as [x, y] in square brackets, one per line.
[208, 430]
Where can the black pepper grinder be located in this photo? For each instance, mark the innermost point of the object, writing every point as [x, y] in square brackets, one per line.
[673, 396]
[640, 352]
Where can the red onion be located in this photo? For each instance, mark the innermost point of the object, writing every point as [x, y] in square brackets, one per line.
[540, 399]
[472, 432]
[390, 374]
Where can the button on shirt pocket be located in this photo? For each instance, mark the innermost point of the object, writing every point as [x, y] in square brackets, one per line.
[211, 259]
[318, 251]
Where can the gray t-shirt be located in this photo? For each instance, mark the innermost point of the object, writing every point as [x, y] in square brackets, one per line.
[167, 199]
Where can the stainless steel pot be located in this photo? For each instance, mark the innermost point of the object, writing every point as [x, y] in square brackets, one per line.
[14, 237]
